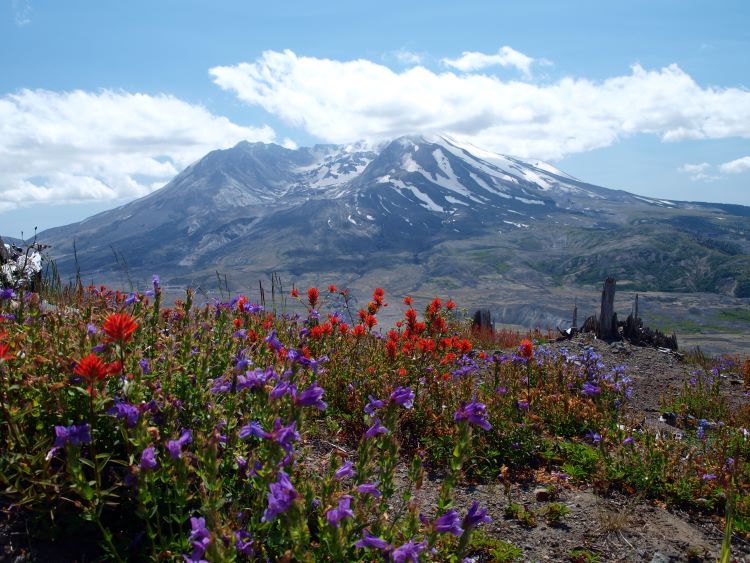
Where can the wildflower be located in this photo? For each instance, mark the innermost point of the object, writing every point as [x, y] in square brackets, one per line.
[475, 516]
[336, 515]
[312, 397]
[346, 470]
[156, 282]
[590, 389]
[294, 292]
[280, 498]
[148, 459]
[243, 544]
[312, 296]
[368, 489]
[373, 405]
[403, 396]
[145, 366]
[332, 289]
[272, 341]
[448, 523]
[92, 368]
[200, 539]
[73, 435]
[91, 329]
[594, 436]
[368, 540]
[526, 349]
[522, 405]
[628, 440]
[5, 352]
[175, 446]
[7, 293]
[132, 298]
[408, 552]
[475, 413]
[376, 429]
[708, 477]
[125, 411]
[254, 429]
[119, 327]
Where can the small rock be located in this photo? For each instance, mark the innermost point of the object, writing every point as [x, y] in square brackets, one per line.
[668, 417]
[541, 494]
[659, 557]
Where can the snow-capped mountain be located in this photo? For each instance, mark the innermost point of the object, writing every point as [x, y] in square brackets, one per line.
[420, 208]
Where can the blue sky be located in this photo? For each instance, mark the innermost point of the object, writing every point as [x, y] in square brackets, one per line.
[102, 102]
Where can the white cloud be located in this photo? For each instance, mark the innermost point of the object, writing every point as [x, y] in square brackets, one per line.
[470, 61]
[408, 57]
[342, 101]
[82, 146]
[694, 168]
[736, 166]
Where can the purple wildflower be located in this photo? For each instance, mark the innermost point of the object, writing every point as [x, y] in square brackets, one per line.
[273, 341]
[628, 440]
[254, 429]
[475, 516]
[75, 435]
[132, 298]
[200, 539]
[594, 436]
[280, 498]
[474, 413]
[243, 543]
[91, 329]
[590, 389]
[7, 293]
[522, 405]
[448, 523]
[175, 446]
[125, 411]
[368, 540]
[708, 477]
[376, 429]
[336, 515]
[312, 397]
[145, 365]
[408, 552]
[148, 459]
[282, 388]
[155, 281]
[403, 396]
[368, 489]
[373, 405]
[345, 471]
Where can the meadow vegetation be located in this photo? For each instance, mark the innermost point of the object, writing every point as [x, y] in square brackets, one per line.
[225, 430]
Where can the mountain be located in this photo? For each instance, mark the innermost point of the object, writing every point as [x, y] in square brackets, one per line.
[416, 214]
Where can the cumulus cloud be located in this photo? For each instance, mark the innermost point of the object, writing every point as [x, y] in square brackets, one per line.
[736, 166]
[342, 101]
[470, 61]
[92, 146]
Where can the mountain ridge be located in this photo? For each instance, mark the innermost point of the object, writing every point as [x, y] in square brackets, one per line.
[432, 205]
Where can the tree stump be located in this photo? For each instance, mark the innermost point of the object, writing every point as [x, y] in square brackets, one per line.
[482, 323]
[4, 254]
[607, 317]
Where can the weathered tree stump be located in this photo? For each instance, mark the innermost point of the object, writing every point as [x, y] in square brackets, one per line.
[482, 323]
[4, 254]
[607, 316]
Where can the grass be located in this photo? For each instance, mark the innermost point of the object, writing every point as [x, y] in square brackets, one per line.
[223, 431]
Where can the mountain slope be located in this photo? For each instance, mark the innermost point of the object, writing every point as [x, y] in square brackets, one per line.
[417, 211]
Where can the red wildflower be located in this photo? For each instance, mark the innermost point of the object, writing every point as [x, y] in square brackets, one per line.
[370, 321]
[408, 301]
[359, 330]
[312, 296]
[343, 328]
[450, 305]
[5, 353]
[526, 348]
[295, 293]
[119, 327]
[241, 302]
[93, 369]
[237, 323]
[332, 288]
[390, 349]
[402, 372]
